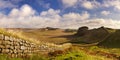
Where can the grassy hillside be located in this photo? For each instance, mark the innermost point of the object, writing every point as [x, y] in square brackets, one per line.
[53, 36]
[92, 35]
[17, 34]
[110, 36]
[113, 40]
[98, 35]
[105, 37]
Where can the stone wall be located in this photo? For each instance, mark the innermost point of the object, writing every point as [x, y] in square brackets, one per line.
[16, 47]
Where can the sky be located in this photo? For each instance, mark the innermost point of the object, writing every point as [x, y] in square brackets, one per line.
[59, 13]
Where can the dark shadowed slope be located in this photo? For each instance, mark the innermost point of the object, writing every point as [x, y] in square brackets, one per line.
[106, 37]
[113, 40]
[93, 35]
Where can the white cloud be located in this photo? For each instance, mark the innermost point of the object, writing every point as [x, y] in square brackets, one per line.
[52, 18]
[71, 19]
[94, 4]
[76, 16]
[105, 13]
[81, 3]
[91, 4]
[87, 5]
[50, 12]
[93, 23]
[25, 17]
[6, 4]
[69, 3]
[9, 3]
[24, 11]
[112, 3]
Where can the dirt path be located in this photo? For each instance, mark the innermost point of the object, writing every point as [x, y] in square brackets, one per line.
[85, 45]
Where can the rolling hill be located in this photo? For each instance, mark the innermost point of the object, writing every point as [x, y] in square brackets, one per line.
[113, 40]
[103, 36]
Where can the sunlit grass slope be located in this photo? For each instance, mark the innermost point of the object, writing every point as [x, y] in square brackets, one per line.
[17, 34]
[53, 36]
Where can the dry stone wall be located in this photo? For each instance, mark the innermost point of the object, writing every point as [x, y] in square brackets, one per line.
[16, 47]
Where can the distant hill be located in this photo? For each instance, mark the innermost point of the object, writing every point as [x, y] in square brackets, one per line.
[93, 35]
[104, 36]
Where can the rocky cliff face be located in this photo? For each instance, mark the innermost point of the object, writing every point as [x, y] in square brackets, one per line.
[92, 35]
[82, 31]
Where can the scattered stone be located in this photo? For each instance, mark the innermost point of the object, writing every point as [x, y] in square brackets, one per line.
[5, 50]
[23, 48]
[1, 36]
[7, 38]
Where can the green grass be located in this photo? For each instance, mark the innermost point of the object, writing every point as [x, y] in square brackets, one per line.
[5, 57]
[33, 57]
[36, 57]
[103, 49]
[79, 55]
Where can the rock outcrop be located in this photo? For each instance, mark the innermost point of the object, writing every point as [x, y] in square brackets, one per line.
[82, 31]
[92, 35]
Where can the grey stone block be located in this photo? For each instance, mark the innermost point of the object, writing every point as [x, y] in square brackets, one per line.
[7, 38]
